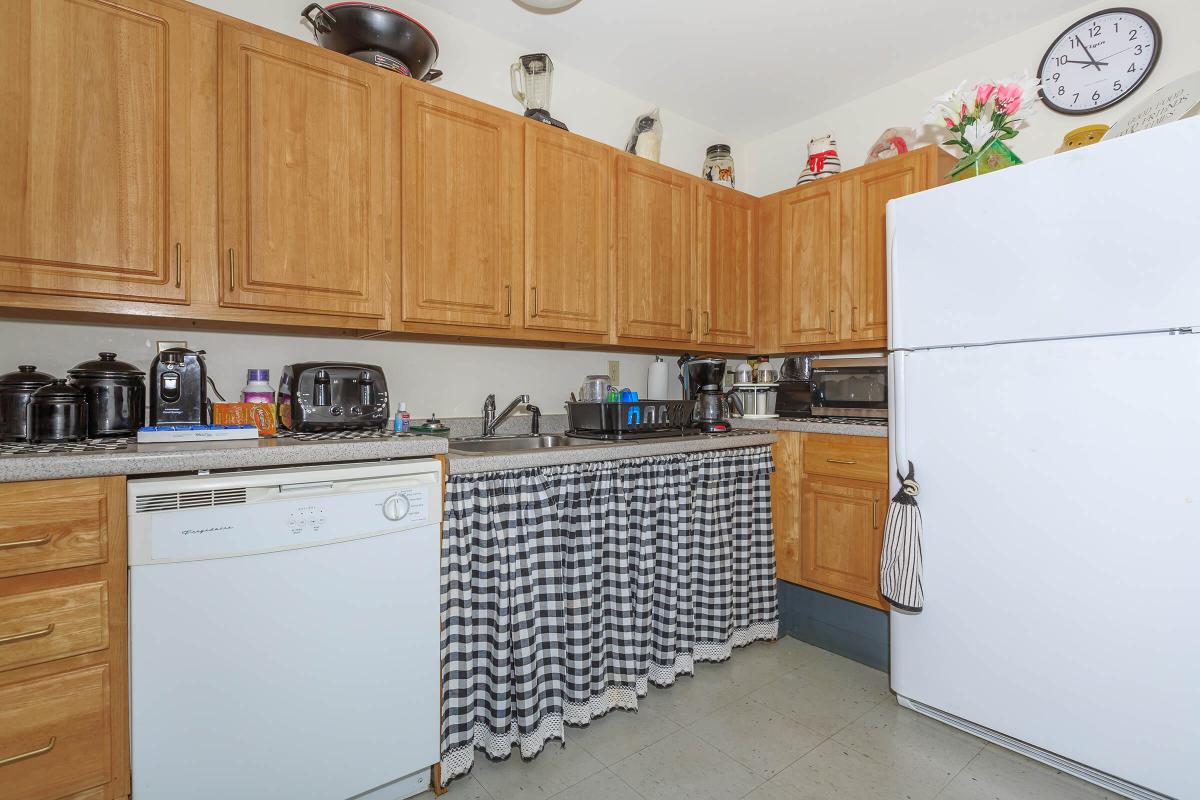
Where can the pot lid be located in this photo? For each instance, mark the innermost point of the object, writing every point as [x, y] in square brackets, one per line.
[106, 366]
[26, 377]
[57, 390]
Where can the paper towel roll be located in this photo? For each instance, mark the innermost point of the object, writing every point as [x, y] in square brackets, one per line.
[658, 381]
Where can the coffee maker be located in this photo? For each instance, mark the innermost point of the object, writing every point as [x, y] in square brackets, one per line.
[702, 379]
[179, 388]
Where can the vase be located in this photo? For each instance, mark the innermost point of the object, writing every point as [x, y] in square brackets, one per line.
[992, 156]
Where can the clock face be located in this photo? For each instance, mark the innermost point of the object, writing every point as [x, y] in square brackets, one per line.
[1099, 61]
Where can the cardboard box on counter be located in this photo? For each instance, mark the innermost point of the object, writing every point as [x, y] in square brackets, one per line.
[261, 415]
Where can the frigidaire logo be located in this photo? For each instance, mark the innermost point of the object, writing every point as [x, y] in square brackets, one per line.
[190, 531]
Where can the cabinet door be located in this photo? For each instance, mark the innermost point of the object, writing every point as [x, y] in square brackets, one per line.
[872, 187]
[463, 182]
[785, 504]
[655, 252]
[303, 152]
[93, 152]
[726, 268]
[810, 264]
[841, 536]
[568, 189]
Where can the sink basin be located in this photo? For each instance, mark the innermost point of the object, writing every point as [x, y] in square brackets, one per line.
[513, 444]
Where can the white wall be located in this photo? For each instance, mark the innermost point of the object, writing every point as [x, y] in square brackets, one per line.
[450, 379]
[773, 162]
[476, 65]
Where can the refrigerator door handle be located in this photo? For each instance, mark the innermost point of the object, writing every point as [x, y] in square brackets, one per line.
[899, 434]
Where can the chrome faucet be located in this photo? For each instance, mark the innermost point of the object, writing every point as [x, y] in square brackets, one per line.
[492, 420]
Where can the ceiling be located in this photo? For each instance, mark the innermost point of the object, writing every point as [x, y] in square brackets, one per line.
[753, 67]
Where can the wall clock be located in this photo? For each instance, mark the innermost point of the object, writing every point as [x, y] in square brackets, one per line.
[1099, 61]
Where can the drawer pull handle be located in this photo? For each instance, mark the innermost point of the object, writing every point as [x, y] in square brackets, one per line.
[25, 637]
[41, 751]
[25, 543]
[840, 461]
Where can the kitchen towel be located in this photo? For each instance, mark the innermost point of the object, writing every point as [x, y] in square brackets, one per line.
[901, 562]
[567, 590]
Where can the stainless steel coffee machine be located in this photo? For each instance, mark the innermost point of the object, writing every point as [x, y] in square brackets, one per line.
[703, 379]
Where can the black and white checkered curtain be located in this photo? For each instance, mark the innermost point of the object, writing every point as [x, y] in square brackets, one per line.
[567, 590]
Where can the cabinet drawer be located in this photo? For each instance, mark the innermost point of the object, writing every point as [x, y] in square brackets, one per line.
[54, 734]
[52, 623]
[47, 525]
[860, 458]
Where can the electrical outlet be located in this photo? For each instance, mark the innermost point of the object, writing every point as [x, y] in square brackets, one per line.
[163, 345]
[614, 372]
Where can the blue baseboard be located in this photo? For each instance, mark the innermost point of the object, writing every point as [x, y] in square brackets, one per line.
[855, 631]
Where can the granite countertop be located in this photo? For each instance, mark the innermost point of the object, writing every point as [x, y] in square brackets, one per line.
[121, 458]
[461, 463]
[815, 425]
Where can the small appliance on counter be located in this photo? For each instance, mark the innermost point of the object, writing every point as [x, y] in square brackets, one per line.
[703, 380]
[116, 395]
[323, 396]
[377, 35]
[758, 399]
[179, 388]
[531, 77]
[16, 388]
[850, 387]
[795, 387]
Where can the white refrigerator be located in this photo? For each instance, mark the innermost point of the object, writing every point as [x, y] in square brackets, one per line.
[1045, 383]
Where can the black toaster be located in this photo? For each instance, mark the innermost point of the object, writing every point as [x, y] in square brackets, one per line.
[322, 396]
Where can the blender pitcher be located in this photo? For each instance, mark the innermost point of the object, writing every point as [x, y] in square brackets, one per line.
[531, 77]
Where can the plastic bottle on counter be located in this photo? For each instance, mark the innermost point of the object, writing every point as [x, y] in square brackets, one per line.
[258, 387]
[403, 419]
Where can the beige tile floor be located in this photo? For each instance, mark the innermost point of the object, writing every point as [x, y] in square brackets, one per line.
[782, 721]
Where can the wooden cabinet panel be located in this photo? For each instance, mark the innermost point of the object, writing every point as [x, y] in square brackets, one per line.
[726, 267]
[841, 536]
[568, 275]
[463, 187]
[810, 264]
[871, 189]
[304, 141]
[42, 531]
[53, 623]
[57, 728]
[655, 252]
[785, 503]
[862, 458]
[93, 149]
[767, 275]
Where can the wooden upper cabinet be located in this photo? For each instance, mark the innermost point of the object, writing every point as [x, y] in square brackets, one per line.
[305, 149]
[93, 149]
[841, 538]
[872, 187]
[568, 191]
[726, 268]
[463, 212]
[655, 252]
[810, 264]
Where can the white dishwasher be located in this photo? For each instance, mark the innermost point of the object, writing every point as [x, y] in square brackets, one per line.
[284, 638]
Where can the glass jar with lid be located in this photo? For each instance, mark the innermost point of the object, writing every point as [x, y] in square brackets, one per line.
[718, 165]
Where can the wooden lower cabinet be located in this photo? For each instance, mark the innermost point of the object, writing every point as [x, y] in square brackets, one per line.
[829, 496]
[64, 676]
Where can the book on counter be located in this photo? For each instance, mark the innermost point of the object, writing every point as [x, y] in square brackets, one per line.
[155, 434]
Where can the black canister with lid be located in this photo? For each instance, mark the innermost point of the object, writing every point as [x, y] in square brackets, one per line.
[15, 390]
[116, 395]
[58, 413]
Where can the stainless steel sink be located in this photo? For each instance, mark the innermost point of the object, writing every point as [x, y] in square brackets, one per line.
[514, 444]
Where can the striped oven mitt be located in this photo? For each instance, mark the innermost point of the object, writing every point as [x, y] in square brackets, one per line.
[900, 564]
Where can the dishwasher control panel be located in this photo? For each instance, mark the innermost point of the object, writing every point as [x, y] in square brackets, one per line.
[280, 517]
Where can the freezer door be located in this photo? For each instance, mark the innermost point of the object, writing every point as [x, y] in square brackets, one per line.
[1096, 240]
[1061, 503]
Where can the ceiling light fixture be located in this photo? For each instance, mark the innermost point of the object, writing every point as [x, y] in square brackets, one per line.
[545, 6]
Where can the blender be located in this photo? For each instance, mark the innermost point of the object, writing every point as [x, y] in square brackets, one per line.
[531, 76]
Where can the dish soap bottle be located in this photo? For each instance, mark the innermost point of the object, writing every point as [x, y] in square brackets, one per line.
[258, 387]
[401, 423]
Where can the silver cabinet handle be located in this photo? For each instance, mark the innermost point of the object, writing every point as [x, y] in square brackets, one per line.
[178, 264]
[25, 637]
[232, 263]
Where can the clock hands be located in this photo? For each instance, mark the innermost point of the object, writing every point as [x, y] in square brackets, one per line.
[1088, 63]
[1088, 53]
